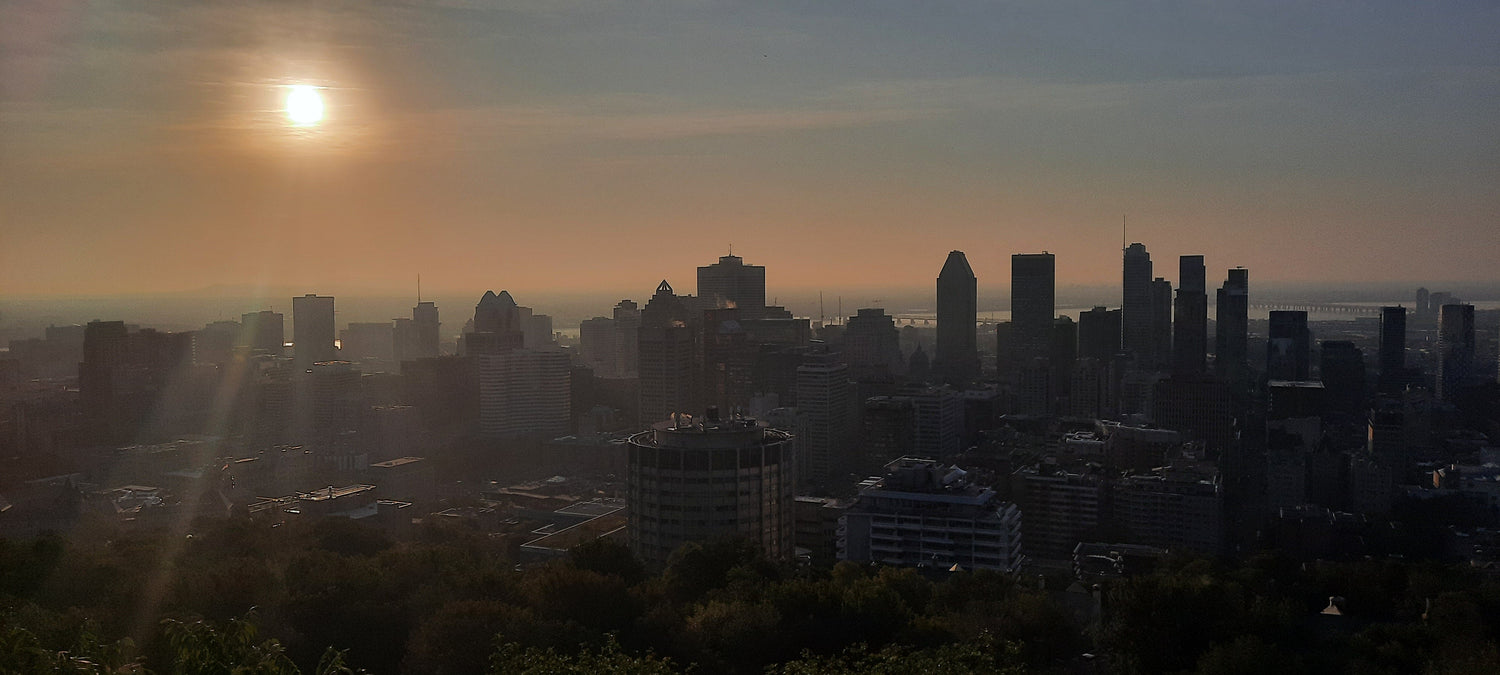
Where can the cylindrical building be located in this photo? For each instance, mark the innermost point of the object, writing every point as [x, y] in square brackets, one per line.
[694, 480]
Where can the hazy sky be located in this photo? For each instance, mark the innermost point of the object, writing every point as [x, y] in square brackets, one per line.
[593, 145]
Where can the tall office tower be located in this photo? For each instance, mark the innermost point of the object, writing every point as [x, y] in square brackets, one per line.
[1099, 334]
[667, 358]
[524, 391]
[824, 394]
[1392, 347]
[1232, 327]
[727, 357]
[732, 283]
[1033, 305]
[1435, 302]
[497, 326]
[627, 318]
[1161, 322]
[597, 344]
[1190, 326]
[957, 356]
[692, 480]
[1424, 299]
[312, 330]
[872, 346]
[1288, 346]
[926, 513]
[368, 342]
[263, 331]
[537, 328]
[1135, 310]
[106, 348]
[1342, 368]
[428, 331]
[1455, 349]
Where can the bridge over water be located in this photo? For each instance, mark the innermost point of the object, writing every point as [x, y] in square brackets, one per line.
[1317, 307]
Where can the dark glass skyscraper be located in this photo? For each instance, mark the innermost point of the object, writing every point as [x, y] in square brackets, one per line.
[1161, 323]
[1099, 334]
[1288, 346]
[957, 357]
[1033, 306]
[1392, 356]
[424, 318]
[1455, 348]
[1190, 326]
[1135, 309]
[1232, 327]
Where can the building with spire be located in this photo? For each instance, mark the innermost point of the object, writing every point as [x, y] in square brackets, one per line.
[667, 360]
[1135, 309]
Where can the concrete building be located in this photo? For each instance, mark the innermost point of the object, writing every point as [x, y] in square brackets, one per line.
[926, 513]
[427, 332]
[824, 397]
[313, 330]
[1180, 506]
[524, 391]
[1288, 346]
[730, 283]
[1099, 334]
[667, 357]
[263, 331]
[1061, 509]
[694, 480]
[872, 346]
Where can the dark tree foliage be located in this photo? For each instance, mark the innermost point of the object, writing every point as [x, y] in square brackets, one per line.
[333, 597]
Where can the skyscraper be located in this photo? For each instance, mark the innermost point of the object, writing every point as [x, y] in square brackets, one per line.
[823, 397]
[497, 325]
[666, 361]
[732, 283]
[1135, 310]
[1190, 326]
[1232, 327]
[1099, 334]
[872, 345]
[524, 391]
[1455, 349]
[1161, 323]
[263, 331]
[1288, 346]
[957, 357]
[1392, 354]
[312, 330]
[627, 318]
[1033, 303]
[428, 338]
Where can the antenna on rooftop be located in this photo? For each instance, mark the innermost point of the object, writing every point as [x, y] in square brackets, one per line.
[419, 289]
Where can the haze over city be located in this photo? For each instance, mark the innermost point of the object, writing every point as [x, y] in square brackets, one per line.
[574, 147]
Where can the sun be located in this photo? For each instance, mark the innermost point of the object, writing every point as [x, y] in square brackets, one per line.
[304, 107]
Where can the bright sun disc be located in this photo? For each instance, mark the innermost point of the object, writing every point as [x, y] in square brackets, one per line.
[303, 106]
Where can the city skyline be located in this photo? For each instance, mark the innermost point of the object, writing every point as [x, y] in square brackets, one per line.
[146, 149]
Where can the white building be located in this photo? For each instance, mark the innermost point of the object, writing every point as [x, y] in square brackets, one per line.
[924, 512]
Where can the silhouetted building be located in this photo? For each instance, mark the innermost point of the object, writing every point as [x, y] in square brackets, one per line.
[1342, 366]
[957, 356]
[627, 318]
[1199, 406]
[428, 332]
[872, 346]
[313, 330]
[824, 395]
[598, 343]
[695, 480]
[1392, 354]
[923, 513]
[1190, 324]
[1032, 303]
[667, 357]
[1099, 334]
[1136, 311]
[497, 326]
[730, 283]
[264, 332]
[1288, 346]
[1455, 349]
[524, 391]
[368, 343]
[1161, 323]
[1232, 327]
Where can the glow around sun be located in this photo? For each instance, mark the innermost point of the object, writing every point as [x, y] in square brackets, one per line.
[304, 107]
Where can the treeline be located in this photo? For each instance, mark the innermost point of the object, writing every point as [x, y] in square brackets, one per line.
[333, 596]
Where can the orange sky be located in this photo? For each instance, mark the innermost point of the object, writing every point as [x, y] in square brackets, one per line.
[573, 147]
